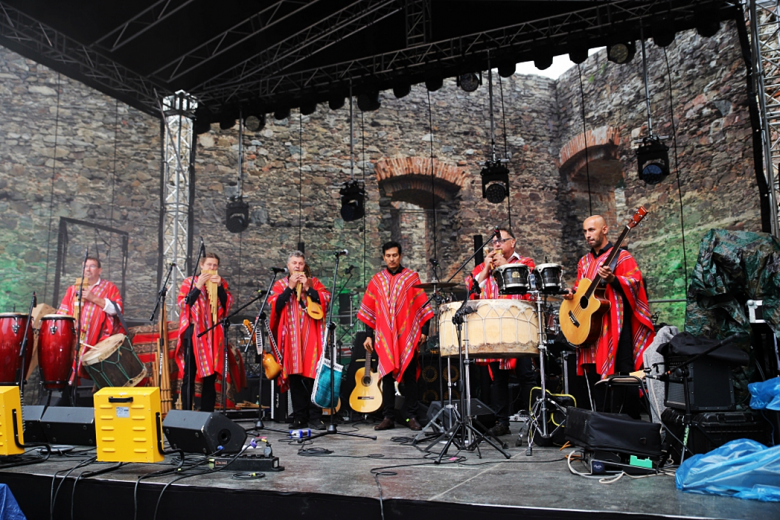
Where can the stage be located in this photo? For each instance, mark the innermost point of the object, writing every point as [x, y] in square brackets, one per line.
[340, 476]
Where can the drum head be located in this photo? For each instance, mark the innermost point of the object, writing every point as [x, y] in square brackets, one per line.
[58, 317]
[12, 315]
[103, 350]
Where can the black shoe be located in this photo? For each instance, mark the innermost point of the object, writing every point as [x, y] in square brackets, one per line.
[297, 425]
[499, 429]
[386, 424]
[319, 425]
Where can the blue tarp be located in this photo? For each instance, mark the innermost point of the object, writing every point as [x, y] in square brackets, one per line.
[9, 509]
[765, 394]
[742, 468]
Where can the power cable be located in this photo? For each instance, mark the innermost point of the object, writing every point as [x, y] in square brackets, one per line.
[433, 184]
[51, 195]
[585, 138]
[506, 148]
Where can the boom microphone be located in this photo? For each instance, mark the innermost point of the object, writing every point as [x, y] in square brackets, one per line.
[278, 270]
[343, 252]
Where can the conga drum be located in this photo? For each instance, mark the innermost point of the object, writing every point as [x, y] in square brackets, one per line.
[113, 362]
[56, 340]
[512, 278]
[12, 327]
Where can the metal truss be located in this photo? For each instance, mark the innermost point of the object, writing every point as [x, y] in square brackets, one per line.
[764, 24]
[142, 22]
[24, 34]
[418, 22]
[179, 112]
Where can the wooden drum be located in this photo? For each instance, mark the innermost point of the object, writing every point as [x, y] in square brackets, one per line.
[56, 343]
[498, 329]
[114, 363]
[12, 329]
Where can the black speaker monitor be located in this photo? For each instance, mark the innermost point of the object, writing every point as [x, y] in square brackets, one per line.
[69, 425]
[203, 432]
[710, 386]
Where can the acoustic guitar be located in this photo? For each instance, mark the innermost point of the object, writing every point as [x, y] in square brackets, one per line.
[581, 317]
[271, 367]
[367, 395]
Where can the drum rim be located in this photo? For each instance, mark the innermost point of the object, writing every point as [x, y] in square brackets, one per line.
[545, 266]
[507, 266]
[101, 355]
[13, 314]
[57, 317]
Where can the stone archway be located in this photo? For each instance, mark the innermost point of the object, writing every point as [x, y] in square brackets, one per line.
[410, 189]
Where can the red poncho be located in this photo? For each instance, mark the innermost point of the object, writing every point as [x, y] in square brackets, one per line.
[603, 352]
[396, 311]
[298, 335]
[490, 291]
[96, 324]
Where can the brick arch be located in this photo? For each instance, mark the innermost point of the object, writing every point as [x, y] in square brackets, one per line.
[408, 179]
[604, 166]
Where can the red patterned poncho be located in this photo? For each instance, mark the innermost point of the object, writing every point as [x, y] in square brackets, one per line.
[396, 311]
[603, 352]
[298, 335]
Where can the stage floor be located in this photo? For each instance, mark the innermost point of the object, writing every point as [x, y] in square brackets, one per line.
[336, 475]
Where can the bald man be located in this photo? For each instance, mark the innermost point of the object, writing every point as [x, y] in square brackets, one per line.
[626, 330]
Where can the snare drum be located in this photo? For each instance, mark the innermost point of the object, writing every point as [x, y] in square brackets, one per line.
[12, 327]
[56, 340]
[113, 362]
[550, 279]
[512, 278]
[498, 329]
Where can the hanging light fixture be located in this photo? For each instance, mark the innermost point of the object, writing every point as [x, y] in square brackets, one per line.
[652, 155]
[237, 210]
[495, 176]
[469, 82]
[353, 197]
[621, 52]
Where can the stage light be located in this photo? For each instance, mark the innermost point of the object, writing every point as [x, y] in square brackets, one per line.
[621, 53]
[352, 201]
[469, 82]
[237, 215]
[505, 70]
[336, 102]
[543, 58]
[663, 31]
[368, 101]
[227, 122]
[433, 84]
[578, 49]
[707, 22]
[308, 108]
[495, 182]
[652, 160]
[400, 91]
[255, 123]
[281, 113]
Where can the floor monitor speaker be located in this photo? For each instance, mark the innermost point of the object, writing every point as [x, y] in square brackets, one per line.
[203, 432]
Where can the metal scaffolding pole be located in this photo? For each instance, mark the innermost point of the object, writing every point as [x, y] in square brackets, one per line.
[179, 112]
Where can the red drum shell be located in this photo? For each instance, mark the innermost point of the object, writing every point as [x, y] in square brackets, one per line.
[12, 327]
[55, 350]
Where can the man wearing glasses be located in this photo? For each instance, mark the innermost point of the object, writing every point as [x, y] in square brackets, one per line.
[503, 252]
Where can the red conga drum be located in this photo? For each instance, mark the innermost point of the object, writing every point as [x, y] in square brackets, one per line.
[55, 349]
[12, 327]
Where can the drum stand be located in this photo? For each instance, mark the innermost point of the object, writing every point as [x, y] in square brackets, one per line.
[544, 405]
[470, 437]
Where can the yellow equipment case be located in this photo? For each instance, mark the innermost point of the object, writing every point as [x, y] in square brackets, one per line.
[10, 401]
[128, 425]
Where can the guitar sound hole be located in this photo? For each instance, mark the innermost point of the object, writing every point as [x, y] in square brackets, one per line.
[366, 381]
[584, 303]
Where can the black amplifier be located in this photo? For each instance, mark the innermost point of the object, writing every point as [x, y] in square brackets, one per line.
[246, 462]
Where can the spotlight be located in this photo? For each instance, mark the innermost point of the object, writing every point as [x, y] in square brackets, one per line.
[621, 53]
[400, 91]
[226, 123]
[369, 101]
[433, 84]
[653, 160]
[505, 70]
[308, 108]
[495, 182]
[663, 31]
[255, 123]
[543, 58]
[336, 102]
[352, 201]
[237, 215]
[707, 22]
[578, 50]
[281, 113]
[469, 82]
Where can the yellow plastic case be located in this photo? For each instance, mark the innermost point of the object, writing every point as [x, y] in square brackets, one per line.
[10, 401]
[126, 424]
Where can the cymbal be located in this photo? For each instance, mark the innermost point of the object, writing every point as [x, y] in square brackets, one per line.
[432, 286]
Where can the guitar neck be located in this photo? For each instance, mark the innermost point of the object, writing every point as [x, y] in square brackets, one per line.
[612, 254]
[368, 363]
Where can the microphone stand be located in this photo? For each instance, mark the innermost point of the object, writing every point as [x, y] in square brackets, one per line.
[328, 343]
[187, 398]
[22, 351]
[162, 341]
[75, 384]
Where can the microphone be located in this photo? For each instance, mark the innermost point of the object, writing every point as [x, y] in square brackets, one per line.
[35, 299]
[475, 288]
[434, 262]
[86, 254]
[278, 270]
[343, 252]
[497, 232]
[202, 247]
[349, 269]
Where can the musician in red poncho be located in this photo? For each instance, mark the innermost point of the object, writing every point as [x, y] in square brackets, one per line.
[201, 305]
[626, 329]
[502, 253]
[101, 302]
[299, 335]
[396, 317]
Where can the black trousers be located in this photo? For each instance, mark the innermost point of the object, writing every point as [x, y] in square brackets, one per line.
[304, 411]
[625, 399]
[499, 389]
[410, 391]
[208, 394]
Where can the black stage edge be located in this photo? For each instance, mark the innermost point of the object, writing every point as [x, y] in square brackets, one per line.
[341, 484]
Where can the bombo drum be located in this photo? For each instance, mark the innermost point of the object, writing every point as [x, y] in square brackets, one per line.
[56, 341]
[12, 328]
[512, 278]
[550, 278]
[496, 329]
[113, 362]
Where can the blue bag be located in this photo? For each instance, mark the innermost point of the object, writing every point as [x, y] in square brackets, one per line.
[765, 394]
[321, 395]
[9, 508]
[742, 468]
